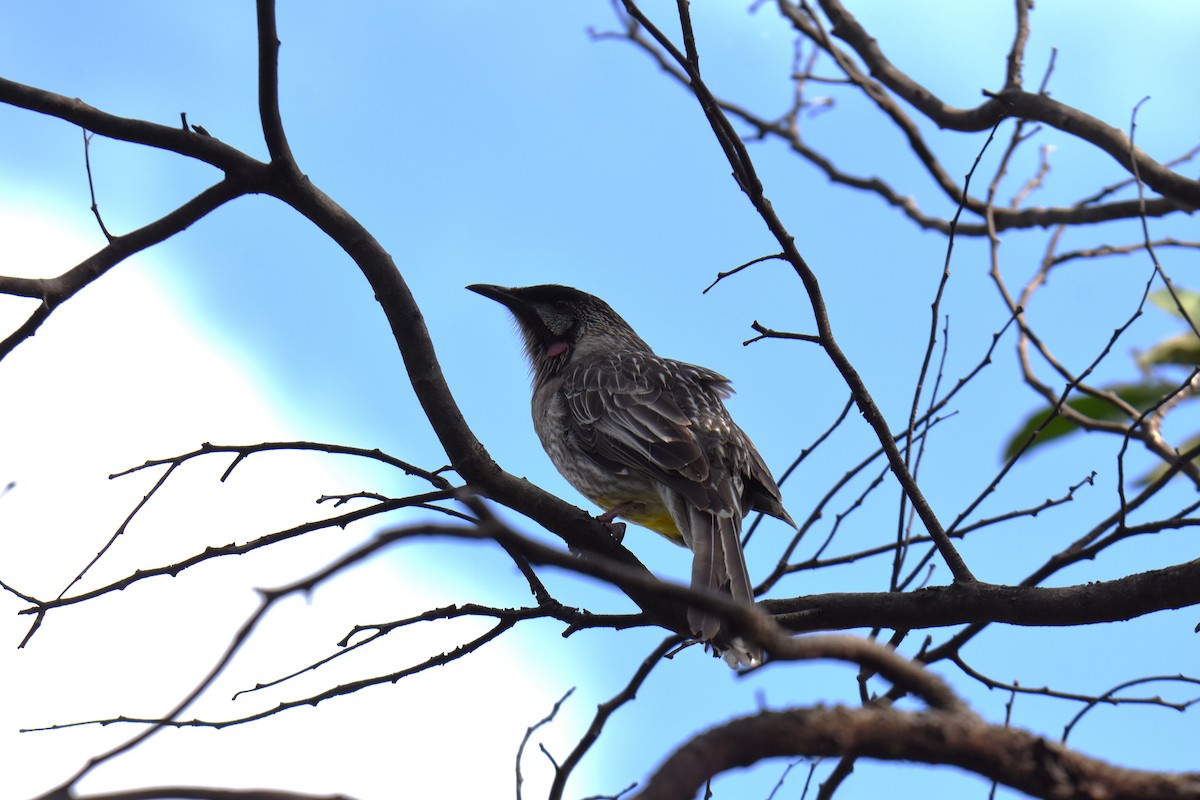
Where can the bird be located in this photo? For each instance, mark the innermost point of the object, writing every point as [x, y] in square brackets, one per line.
[646, 438]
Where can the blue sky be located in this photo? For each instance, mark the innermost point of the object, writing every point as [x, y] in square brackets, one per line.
[498, 144]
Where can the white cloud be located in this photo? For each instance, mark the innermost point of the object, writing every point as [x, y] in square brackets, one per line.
[115, 378]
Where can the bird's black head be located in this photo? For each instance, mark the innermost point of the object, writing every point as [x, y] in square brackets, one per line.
[559, 324]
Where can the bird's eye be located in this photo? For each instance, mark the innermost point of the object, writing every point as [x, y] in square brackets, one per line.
[562, 306]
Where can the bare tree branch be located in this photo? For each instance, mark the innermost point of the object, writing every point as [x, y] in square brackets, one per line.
[1009, 756]
[1086, 604]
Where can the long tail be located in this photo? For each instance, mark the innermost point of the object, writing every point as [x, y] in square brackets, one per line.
[719, 565]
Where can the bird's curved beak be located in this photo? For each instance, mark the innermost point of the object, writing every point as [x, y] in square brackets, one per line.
[497, 293]
[505, 297]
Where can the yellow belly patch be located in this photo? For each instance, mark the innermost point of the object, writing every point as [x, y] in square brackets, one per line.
[645, 509]
[656, 519]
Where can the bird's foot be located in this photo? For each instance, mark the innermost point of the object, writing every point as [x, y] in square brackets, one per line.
[609, 519]
[617, 529]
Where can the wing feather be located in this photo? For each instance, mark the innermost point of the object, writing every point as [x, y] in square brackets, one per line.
[624, 411]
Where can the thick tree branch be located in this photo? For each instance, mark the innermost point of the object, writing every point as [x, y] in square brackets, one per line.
[1010, 756]
[205, 793]
[208, 149]
[1086, 604]
[268, 86]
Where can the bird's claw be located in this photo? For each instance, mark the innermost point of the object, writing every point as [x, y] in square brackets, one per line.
[617, 529]
[609, 519]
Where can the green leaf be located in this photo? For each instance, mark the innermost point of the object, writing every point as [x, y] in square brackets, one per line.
[1141, 396]
[1188, 299]
[1182, 349]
